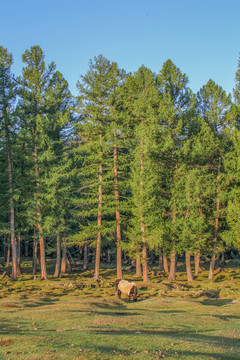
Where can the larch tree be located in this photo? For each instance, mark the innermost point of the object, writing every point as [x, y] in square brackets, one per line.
[141, 106]
[232, 165]
[7, 99]
[176, 115]
[117, 139]
[35, 93]
[58, 162]
[214, 105]
[92, 155]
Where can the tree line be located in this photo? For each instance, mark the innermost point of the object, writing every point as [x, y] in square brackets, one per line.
[135, 164]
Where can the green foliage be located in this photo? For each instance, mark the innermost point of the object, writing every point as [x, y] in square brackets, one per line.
[176, 155]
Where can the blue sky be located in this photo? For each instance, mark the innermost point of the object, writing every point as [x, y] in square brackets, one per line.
[202, 37]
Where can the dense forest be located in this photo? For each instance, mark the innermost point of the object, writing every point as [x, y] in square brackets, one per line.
[136, 167]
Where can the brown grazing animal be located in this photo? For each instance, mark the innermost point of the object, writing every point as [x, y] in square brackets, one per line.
[127, 288]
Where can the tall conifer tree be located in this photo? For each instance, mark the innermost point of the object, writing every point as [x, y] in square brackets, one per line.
[176, 117]
[36, 92]
[214, 105]
[7, 98]
[142, 106]
[92, 155]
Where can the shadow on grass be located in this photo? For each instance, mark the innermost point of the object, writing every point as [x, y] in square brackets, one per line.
[226, 318]
[215, 302]
[177, 335]
[44, 301]
[114, 351]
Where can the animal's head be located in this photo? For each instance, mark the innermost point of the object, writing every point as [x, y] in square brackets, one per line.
[134, 293]
[116, 284]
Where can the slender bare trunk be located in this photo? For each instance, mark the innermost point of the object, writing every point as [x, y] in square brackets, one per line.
[118, 219]
[11, 203]
[26, 249]
[35, 249]
[10, 188]
[19, 271]
[197, 254]
[197, 257]
[172, 273]
[64, 259]
[4, 248]
[212, 263]
[69, 267]
[187, 254]
[165, 264]
[160, 261]
[58, 257]
[85, 258]
[99, 220]
[144, 246]
[39, 219]
[222, 261]
[188, 266]
[8, 252]
[70, 257]
[138, 263]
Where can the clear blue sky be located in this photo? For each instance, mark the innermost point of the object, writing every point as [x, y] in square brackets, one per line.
[202, 37]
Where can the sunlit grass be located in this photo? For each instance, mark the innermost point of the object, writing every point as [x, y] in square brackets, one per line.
[76, 318]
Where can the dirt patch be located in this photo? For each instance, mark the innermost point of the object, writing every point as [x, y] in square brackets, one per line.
[6, 342]
[10, 306]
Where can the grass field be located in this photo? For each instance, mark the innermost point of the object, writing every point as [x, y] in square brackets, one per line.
[76, 318]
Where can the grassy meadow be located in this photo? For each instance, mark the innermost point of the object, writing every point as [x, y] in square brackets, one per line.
[76, 318]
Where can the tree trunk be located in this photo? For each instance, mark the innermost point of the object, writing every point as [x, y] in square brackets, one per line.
[8, 252]
[19, 271]
[165, 263]
[144, 246]
[172, 273]
[98, 246]
[138, 263]
[35, 248]
[108, 258]
[64, 259]
[85, 258]
[197, 257]
[187, 254]
[58, 257]
[11, 204]
[70, 257]
[26, 249]
[69, 267]
[144, 264]
[160, 261]
[118, 223]
[4, 248]
[39, 219]
[10, 189]
[188, 266]
[222, 262]
[212, 263]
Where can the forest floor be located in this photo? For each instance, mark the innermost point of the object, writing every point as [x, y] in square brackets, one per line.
[76, 318]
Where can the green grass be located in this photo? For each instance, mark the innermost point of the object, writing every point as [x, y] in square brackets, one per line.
[76, 318]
